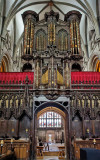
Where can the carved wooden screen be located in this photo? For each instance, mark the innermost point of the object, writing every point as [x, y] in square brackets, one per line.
[40, 40]
[97, 126]
[88, 126]
[24, 127]
[77, 126]
[3, 127]
[62, 40]
[12, 127]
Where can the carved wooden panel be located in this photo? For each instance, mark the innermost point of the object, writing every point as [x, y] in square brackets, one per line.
[97, 126]
[12, 128]
[77, 127]
[3, 127]
[21, 148]
[88, 127]
[24, 127]
[84, 144]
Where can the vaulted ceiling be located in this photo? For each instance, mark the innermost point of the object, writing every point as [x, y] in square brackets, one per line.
[14, 9]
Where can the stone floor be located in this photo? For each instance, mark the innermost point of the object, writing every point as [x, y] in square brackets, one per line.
[50, 158]
[53, 146]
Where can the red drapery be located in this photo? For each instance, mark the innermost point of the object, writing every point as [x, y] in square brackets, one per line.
[75, 76]
[85, 76]
[16, 76]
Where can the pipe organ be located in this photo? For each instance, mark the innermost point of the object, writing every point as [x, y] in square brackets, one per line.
[29, 18]
[52, 45]
[51, 19]
[73, 18]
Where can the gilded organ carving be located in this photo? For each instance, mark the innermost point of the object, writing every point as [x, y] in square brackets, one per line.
[55, 45]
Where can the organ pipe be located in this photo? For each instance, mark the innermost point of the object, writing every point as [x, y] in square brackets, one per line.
[73, 19]
[29, 18]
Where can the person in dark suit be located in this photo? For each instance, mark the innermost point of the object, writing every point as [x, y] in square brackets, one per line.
[40, 143]
[47, 146]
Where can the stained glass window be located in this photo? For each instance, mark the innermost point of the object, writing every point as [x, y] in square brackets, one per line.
[50, 119]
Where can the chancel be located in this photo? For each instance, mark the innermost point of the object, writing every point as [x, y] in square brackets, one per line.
[49, 79]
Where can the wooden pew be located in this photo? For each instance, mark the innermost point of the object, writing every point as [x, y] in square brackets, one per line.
[8, 156]
[84, 144]
[39, 152]
[61, 154]
[21, 148]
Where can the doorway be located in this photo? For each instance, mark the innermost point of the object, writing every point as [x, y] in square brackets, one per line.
[52, 133]
[50, 136]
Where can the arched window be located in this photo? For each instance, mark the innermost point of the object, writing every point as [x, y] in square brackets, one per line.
[62, 40]
[40, 40]
[98, 66]
[95, 63]
[4, 67]
[49, 120]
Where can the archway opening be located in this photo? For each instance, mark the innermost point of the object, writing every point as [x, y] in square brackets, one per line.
[76, 67]
[98, 66]
[27, 67]
[51, 128]
[52, 131]
[4, 67]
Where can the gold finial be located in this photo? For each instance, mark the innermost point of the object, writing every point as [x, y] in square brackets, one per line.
[2, 142]
[12, 140]
[94, 141]
[12, 130]
[88, 130]
[26, 130]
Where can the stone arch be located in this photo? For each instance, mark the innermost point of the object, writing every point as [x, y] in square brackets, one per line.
[49, 104]
[76, 67]
[94, 61]
[5, 63]
[27, 67]
[59, 108]
[54, 109]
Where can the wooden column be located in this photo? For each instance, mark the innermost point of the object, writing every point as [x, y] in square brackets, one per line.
[93, 128]
[83, 127]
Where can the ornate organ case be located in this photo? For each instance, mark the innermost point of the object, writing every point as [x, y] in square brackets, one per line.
[52, 44]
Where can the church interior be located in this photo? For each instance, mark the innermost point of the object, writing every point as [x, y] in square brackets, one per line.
[49, 80]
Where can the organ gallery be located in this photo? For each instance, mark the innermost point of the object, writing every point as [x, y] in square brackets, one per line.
[49, 80]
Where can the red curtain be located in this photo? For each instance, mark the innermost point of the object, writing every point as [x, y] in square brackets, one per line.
[85, 76]
[16, 76]
[75, 76]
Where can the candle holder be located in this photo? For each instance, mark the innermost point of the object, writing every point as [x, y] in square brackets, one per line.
[88, 131]
[94, 141]
[26, 133]
[12, 149]
[12, 130]
[2, 143]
